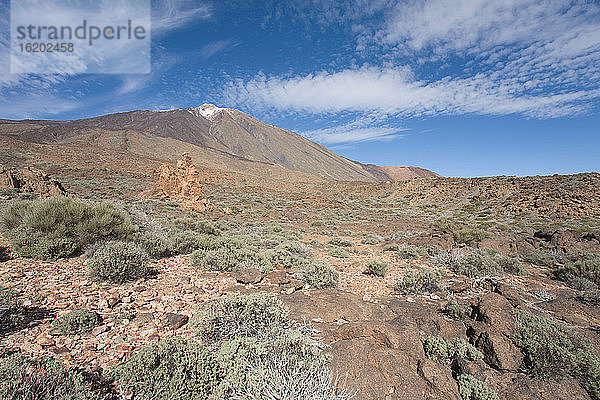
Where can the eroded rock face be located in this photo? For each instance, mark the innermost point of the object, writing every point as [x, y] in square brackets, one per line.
[30, 180]
[182, 183]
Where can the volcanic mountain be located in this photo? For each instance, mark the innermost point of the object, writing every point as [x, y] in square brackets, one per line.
[218, 134]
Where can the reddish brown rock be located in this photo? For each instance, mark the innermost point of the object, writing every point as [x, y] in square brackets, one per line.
[182, 183]
[30, 180]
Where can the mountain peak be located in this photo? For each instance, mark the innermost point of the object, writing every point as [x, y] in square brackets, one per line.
[207, 111]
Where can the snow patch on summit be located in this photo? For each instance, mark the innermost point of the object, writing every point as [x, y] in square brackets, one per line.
[206, 110]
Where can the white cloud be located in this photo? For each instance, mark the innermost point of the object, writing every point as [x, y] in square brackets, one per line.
[215, 47]
[168, 15]
[395, 91]
[536, 58]
[364, 129]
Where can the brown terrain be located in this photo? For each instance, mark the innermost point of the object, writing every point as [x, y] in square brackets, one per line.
[240, 170]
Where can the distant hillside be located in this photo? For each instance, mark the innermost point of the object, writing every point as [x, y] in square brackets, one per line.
[226, 133]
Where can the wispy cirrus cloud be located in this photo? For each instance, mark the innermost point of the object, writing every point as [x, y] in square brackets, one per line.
[364, 129]
[534, 58]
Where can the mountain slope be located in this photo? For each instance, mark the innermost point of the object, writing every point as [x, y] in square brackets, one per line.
[227, 132]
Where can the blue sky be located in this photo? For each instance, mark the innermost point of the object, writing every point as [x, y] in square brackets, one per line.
[476, 89]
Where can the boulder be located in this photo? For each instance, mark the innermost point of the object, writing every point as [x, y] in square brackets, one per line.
[30, 180]
[182, 183]
[249, 276]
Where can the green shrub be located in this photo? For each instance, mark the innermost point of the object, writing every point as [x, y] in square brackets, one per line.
[292, 255]
[241, 315]
[552, 348]
[340, 242]
[455, 310]
[541, 258]
[119, 262]
[196, 225]
[377, 267]
[409, 252]
[173, 368]
[583, 265]
[77, 322]
[155, 245]
[419, 281]
[62, 226]
[471, 388]
[12, 311]
[42, 379]
[185, 242]
[391, 247]
[289, 365]
[228, 254]
[437, 349]
[320, 274]
[338, 252]
[591, 297]
[469, 236]
[480, 263]
[372, 238]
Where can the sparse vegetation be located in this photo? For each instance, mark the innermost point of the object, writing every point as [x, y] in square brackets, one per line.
[438, 349]
[119, 262]
[154, 244]
[419, 281]
[372, 238]
[290, 254]
[12, 311]
[241, 315]
[338, 252]
[174, 368]
[340, 242]
[580, 265]
[4, 254]
[77, 322]
[186, 241]
[479, 263]
[60, 227]
[320, 274]
[456, 310]
[409, 252]
[552, 348]
[471, 388]
[22, 378]
[228, 254]
[541, 258]
[377, 267]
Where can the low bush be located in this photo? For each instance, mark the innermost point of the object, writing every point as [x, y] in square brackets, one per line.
[437, 349]
[77, 322]
[185, 242]
[471, 388]
[391, 247]
[154, 244]
[340, 242]
[62, 226]
[228, 254]
[290, 365]
[591, 297]
[241, 315]
[174, 368]
[470, 236]
[289, 254]
[409, 252]
[320, 274]
[22, 378]
[372, 238]
[541, 258]
[196, 225]
[119, 262]
[338, 252]
[12, 311]
[456, 311]
[476, 263]
[377, 267]
[552, 348]
[419, 281]
[580, 265]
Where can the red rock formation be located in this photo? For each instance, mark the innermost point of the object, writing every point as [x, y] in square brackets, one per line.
[182, 183]
[30, 180]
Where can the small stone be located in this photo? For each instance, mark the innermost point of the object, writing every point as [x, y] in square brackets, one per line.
[278, 277]
[249, 275]
[176, 321]
[44, 339]
[143, 318]
[113, 301]
[99, 330]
